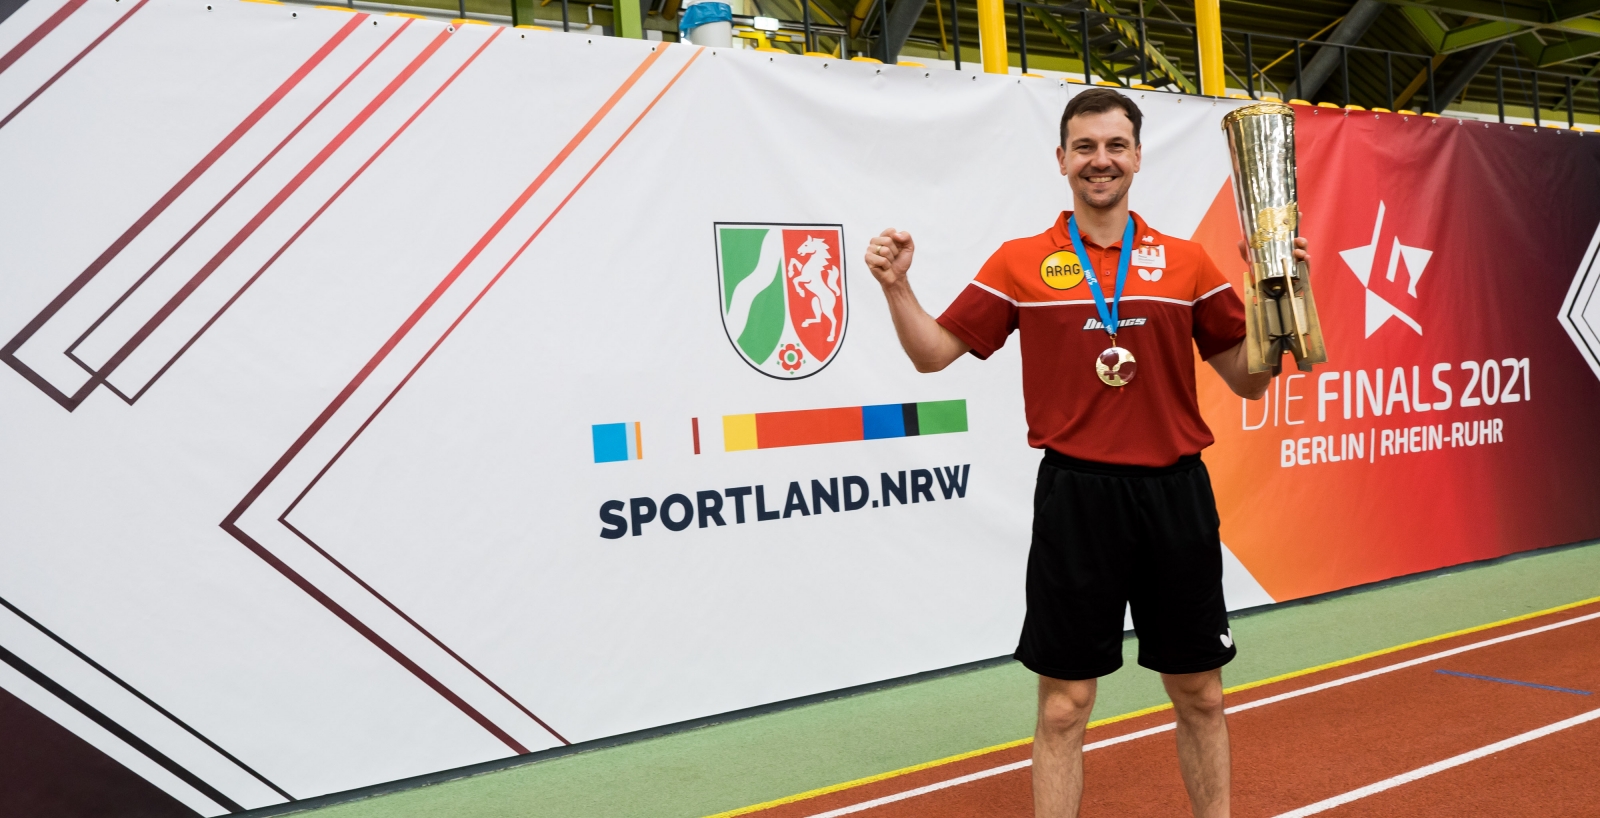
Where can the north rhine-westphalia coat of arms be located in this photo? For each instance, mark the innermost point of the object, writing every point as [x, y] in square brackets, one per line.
[783, 301]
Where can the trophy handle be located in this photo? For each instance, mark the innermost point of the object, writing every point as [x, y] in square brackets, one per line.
[1315, 351]
[1256, 337]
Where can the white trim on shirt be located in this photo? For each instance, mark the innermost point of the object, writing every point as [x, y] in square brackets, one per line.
[1177, 301]
[988, 289]
[1180, 302]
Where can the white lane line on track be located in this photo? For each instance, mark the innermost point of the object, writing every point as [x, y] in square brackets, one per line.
[901, 796]
[1004, 768]
[1411, 663]
[1439, 766]
[1095, 745]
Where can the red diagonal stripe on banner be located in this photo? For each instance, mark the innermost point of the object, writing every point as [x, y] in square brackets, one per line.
[304, 227]
[415, 624]
[34, 36]
[485, 291]
[71, 350]
[72, 62]
[8, 352]
[230, 523]
[266, 211]
[429, 354]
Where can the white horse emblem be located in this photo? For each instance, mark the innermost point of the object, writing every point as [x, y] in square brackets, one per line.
[823, 282]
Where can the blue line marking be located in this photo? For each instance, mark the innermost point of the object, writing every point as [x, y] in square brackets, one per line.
[1512, 682]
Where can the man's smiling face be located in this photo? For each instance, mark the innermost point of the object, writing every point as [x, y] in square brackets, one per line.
[1100, 157]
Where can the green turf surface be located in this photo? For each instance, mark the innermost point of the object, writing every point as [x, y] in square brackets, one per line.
[727, 766]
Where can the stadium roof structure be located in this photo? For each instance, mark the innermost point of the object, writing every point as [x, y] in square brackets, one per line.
[1470, 43]
[1475, 55]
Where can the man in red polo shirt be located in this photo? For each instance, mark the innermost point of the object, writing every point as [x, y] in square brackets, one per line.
[1123, 511]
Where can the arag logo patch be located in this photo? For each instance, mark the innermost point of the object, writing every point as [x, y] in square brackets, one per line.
[783, 297]
[1061, 270]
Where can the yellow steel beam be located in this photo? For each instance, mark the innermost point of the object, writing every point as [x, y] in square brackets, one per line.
[1208, 26]
[859, 16]
[992, 36]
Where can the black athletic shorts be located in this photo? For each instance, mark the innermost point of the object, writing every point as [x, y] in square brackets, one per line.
[1106, 535]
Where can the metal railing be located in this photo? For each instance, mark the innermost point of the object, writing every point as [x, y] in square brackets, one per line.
[1299, 46]
[1086, 20]
[1254, 80]
[1533, 74]
[1145, 42]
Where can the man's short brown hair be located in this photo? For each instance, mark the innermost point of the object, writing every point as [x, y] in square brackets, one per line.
[1098, 101]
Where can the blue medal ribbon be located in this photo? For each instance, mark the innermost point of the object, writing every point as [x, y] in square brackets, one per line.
[1108, 316]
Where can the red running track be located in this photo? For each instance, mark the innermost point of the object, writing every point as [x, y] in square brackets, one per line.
[1331, 734]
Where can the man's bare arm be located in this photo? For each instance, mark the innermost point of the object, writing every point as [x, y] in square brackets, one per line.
[930, 346]
[1234, 367]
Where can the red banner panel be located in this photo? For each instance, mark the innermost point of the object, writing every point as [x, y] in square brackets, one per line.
[1455, 419]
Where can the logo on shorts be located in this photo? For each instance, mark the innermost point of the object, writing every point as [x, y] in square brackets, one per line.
[782, 295]
[1061, 270]
[1227, 638]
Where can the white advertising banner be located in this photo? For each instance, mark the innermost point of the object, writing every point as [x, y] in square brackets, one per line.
[384, 397]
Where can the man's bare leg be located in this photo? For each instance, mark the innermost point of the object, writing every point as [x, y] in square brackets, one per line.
[1203, 754]
[1058, 746]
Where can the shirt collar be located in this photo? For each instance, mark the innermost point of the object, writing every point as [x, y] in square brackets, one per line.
[1063, 239]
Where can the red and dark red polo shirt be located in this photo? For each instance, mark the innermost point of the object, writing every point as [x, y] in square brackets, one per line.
[1174, 295]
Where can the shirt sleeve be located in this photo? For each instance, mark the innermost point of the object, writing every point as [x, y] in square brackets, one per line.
[1218, 312]
[984, 314]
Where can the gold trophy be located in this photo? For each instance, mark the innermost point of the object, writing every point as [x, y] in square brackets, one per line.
[1280, 315]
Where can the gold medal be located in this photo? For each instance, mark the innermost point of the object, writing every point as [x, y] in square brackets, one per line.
[1116, 365]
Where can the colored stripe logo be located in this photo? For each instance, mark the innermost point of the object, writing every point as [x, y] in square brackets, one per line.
[618, 441]
[808, 427]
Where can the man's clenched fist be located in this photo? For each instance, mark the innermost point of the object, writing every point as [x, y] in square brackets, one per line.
[889, 256]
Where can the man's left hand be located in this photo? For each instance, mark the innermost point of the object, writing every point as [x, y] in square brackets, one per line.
[1302, 251]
